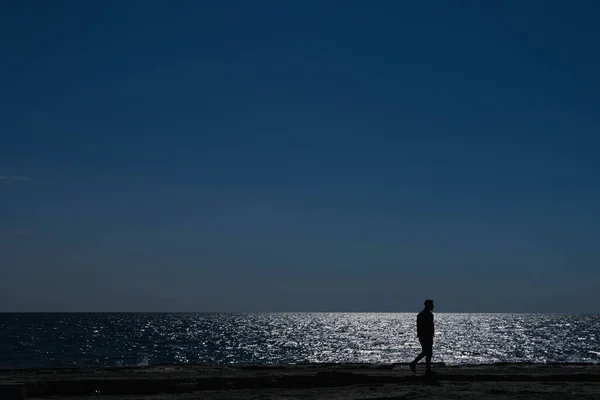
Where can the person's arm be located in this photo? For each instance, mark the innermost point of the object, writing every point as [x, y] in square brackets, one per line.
[427, 325]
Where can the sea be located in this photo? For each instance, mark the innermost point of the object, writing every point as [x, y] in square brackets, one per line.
[32, 340]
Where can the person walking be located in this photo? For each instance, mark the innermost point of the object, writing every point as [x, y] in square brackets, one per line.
[425, 333]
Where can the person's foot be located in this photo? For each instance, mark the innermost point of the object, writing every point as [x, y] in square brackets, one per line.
[430, 372]
[413, 367]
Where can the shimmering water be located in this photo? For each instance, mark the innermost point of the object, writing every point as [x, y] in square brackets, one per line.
[31, 340]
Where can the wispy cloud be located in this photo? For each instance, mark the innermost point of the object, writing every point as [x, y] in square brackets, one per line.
[57, 181]
[5, 178]
[15, 178]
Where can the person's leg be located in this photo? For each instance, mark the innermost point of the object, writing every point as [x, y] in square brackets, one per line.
[413, 365]
[422, 355]
[419, 357]
[428, 350]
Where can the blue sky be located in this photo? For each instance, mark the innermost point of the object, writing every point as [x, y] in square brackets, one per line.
[299, 156]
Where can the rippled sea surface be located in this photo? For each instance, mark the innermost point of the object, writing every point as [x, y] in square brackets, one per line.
[36, 340]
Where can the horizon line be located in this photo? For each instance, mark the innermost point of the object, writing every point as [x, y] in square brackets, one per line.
[296, 312]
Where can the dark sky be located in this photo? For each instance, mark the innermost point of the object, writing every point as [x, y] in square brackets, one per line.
[299, 155]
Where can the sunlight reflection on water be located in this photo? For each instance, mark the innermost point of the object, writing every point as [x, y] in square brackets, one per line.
[142, 339]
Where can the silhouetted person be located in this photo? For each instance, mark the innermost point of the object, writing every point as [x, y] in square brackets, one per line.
[425, 332]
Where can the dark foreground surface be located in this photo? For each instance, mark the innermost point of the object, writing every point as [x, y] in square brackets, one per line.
[315, 381]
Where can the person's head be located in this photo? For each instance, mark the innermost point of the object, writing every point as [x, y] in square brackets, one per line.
[429, 304]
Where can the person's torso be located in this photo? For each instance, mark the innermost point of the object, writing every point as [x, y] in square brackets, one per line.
[425, 323]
